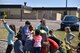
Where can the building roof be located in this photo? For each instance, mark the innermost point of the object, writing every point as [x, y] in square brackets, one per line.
[10, 6]
[54, 8]
[15, 6]
[37, 8]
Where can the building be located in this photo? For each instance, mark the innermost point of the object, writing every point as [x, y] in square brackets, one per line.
[15, 11]
[53, 13]
[26, 12]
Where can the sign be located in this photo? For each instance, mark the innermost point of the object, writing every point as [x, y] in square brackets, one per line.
[27, 11]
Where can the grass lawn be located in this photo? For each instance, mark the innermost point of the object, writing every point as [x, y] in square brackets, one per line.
[3, 34]
[60, 35]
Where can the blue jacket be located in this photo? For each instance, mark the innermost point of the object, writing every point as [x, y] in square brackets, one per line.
[18, 47]
[24, 31]
[10, 35]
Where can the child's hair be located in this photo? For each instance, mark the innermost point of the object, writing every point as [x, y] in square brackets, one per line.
[79, 44]
[37, 32]
[27, 22]
[68, 29]
[30, 28]
[20, 29]
[50, 31]
[12, 26]
[42, 20]
[19, 35]
[79, 36]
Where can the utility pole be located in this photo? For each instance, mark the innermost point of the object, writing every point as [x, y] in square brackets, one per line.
[22, 9]
[66, 6]
[65, 11]
[66, 3]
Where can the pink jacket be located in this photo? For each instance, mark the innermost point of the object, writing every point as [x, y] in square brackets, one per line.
[37, 41]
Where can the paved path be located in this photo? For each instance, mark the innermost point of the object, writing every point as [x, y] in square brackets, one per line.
[3, 46]
[51, 23]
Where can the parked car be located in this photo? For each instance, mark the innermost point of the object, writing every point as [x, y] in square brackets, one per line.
[70, 21]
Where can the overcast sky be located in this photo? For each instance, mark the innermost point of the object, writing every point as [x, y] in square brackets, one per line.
[44, 3]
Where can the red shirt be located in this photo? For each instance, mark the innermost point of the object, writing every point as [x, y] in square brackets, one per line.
[53, 44]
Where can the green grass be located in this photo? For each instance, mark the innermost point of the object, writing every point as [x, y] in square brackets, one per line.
[3, 34]
[61, 35]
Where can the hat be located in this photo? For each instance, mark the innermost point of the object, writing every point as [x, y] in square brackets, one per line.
[50, 31]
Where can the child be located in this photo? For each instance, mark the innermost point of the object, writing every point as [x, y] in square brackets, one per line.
[75, 47]
[45, 45]
[79, 36]
[49, 43]
[18, 48]
[78, 48]
[43, 34]
[37, 42]
[69, 35]
[25, 30]
[12, 31]
[29, 40]
[43, 25]
[69, 38]
[53, 37]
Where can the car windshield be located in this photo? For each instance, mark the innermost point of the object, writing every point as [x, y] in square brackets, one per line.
[70, 18]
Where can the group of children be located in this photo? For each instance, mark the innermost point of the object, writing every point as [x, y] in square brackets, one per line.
[37, 41]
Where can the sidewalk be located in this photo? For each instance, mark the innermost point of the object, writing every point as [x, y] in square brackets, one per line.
[52, 24]
[3, 46]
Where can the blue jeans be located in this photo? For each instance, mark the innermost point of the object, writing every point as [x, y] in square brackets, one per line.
[37, 49]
